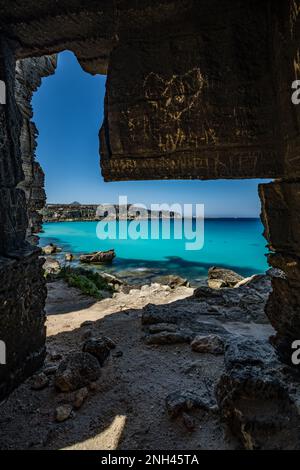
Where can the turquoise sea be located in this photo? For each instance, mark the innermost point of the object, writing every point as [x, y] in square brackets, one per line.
[237, 244]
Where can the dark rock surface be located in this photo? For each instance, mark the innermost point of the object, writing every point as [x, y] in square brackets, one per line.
[257, 397]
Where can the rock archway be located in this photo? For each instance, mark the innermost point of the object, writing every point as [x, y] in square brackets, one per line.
[195, 89]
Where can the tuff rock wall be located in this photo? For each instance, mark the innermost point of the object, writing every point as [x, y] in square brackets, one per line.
[29, 74]
[22, 291]
[195, 89]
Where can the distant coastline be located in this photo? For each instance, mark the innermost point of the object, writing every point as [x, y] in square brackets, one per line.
[76, 212]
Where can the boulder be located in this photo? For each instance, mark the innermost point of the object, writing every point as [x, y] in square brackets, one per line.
[99, 348]
[98, 257]
[210, 344]
[226, 277]
[76, 371]
[50, 249]
[51, 266]
[69, 257]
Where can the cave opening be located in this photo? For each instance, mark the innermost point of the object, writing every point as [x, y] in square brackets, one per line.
[68, 113]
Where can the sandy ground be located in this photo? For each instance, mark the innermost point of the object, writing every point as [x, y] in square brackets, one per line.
[126, 408]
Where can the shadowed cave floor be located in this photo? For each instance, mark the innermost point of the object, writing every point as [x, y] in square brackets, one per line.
[126, 408]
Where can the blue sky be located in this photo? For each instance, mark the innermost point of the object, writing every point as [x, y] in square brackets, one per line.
[68, 111]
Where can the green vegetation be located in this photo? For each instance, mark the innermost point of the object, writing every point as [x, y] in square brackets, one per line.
[90, 283]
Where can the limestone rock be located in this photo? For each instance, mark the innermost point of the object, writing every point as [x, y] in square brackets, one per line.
[50, 249]
[69, 257]
[98, 257]
[51, 266]
[216, 283]
[173, 281]
[211, 344]
[76, 371]
[226, 277]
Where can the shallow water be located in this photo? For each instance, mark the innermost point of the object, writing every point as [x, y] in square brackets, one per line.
[237, 244]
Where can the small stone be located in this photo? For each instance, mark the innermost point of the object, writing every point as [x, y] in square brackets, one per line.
[63, 412]
[118, 354]
[50, 370]
[168, 337]
[55, 356]
[69, 257]
[189, 422]
[39, 381]
[211, 344]
[80, 397]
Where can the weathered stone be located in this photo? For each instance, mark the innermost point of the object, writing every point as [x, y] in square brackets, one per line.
[51, 266]
[99, 347]
[245, 302]
[169, 337]
[98, 257]
[180, 402]
[211, 344]
[258, 399]
[39, 381]
[63, 412]
[76, 371]
[173, 281]
[69, 257]
[280, 215]
[225, 276]
[80, 397]
[50, 249]
[216, 283]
